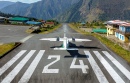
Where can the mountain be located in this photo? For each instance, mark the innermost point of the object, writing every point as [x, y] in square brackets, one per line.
[17, 8]
[73, 10]
[45, 9]
[5, 3]
[90, 10]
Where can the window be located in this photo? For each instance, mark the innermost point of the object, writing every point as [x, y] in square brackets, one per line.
[129, 38]
[123, 37]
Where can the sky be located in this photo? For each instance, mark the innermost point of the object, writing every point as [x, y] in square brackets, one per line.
[25, 1]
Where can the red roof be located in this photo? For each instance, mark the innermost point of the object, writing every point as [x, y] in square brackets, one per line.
[49, 22]
[125, 24]
[116, 22]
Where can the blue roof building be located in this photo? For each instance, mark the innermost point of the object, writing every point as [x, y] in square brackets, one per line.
[33, 23]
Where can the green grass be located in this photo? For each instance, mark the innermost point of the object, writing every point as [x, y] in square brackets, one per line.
[116, 48]
[5, 48]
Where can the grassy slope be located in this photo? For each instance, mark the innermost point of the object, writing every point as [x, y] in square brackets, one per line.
[116, 48]
[43, 31]
[5, 48]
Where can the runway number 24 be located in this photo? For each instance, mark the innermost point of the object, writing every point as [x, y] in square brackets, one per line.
[72, 66]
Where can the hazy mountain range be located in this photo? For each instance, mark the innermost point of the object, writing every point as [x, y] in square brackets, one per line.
[72, 10]
[5, 3]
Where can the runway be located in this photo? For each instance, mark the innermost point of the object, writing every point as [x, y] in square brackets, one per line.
[35, 61]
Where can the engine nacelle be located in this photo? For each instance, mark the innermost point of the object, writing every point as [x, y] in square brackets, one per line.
[73, 39]
[58, 39]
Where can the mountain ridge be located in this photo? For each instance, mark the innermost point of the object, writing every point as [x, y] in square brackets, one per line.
[45, 9]
[5, 3]
[75, 10]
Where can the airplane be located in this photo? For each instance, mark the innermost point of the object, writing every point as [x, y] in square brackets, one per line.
[65, 42]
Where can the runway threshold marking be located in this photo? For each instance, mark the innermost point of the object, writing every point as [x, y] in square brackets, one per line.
[26, 38]
[110, 70]
[46, 70]
[27, 75]
[81, 66]
[118, 65]
[16, 70]
[11, 62]
[101, 77]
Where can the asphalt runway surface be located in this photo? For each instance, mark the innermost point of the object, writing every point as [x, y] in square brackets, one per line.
[12, 33]
[35, 61]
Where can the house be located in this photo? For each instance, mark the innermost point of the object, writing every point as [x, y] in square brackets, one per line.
[2, 19]
[113, 25]
[49, 24]
[18, 20]
[123, 33]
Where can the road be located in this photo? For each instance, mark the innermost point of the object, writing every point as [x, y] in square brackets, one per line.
[35, 61]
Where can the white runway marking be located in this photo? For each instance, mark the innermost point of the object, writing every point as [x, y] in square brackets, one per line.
[118, 65]
[81, 66]
[101, 77]
[11, 62]
[110, 70]
[27, 75]
[26, 38]
[46, 70]
[16, 70]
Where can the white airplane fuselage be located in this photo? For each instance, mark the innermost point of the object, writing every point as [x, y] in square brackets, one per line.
[65, 43]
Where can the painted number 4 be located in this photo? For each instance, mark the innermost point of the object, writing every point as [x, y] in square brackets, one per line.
[81, 66]
[73, 66]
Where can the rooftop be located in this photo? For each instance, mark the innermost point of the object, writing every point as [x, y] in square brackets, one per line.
[49, 22]
[1, 17]
[18, 19]
[33, 23]
[125, 24]
[116, 22]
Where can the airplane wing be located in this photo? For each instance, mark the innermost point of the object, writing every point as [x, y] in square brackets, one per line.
[78, 40]
[53, 39]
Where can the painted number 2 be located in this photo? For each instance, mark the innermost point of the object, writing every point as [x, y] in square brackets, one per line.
[81, 66]
[46, 70]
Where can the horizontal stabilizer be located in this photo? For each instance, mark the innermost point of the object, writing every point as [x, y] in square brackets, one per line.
[79, 40]
[53, 39]
[65, 49]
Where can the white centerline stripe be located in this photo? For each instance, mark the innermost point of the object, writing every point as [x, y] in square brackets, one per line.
[118, 65]
[101, 77]
[16, 70]
[110, 70]
[26, 38]
[11, 62]
[27, 75]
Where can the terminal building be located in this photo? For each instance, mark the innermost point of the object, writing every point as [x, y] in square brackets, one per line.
[120, 29]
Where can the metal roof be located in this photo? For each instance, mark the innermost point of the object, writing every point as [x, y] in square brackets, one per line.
[116, 22]
[100, 30]
[1, 17]
[21, 19]
[33, 23]
[125, 24]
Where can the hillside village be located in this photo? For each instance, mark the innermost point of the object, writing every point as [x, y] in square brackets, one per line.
[117, 31]
[34, 24]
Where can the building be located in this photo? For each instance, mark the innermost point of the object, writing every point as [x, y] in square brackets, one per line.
[2, 19]
[112, 26]
[18, 20]
[123, 33]
[49, 24]
[34, 23]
